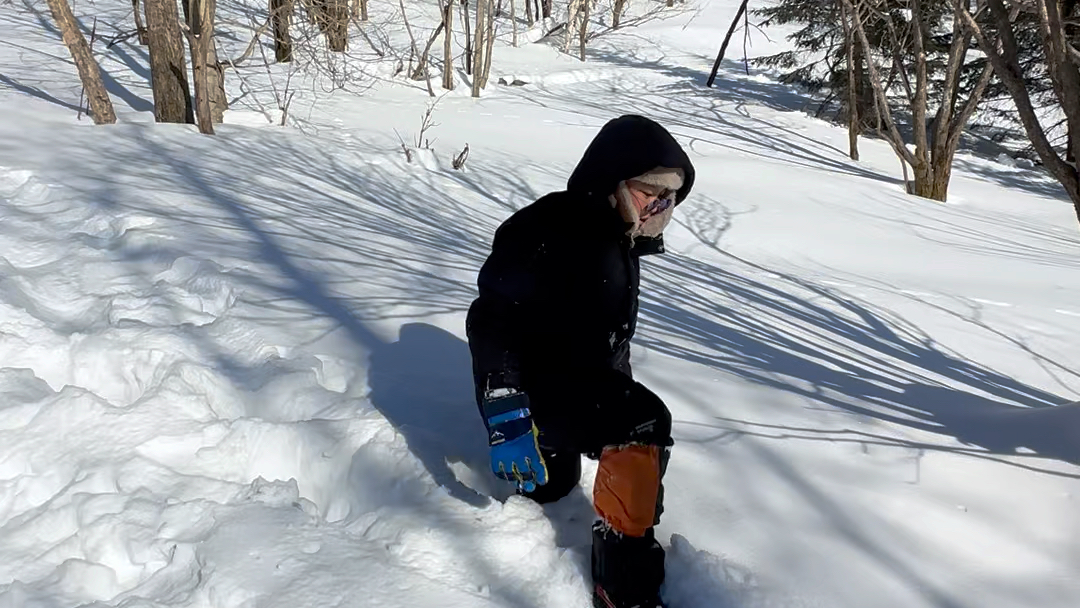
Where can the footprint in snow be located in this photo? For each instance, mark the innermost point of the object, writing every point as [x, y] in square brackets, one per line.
[700, 579]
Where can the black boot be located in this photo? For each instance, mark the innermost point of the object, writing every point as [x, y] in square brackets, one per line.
[627, 571]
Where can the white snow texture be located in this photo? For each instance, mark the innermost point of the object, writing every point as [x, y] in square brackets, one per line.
[233, 371]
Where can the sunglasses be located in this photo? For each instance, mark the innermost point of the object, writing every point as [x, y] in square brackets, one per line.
[660, 205]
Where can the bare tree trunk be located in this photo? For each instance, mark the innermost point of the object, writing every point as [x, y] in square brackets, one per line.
[101, 107]
[408, 29]
[1004, 56]
[216, 75]
[853, 93]
[337, 25]
[546, 5]
[529, 13]
[951, 115]
[1064, 68]
[617, 13]
[489, 44]
[140, 26]
[168, 72]
[513, 21]
[332, 17]
[207, 73]
[281, 16]
[478, 50]
[468, 57]
[723, 47]
[360, 9]
[583, 31]
[1070, 146]
[200, 37]
[923, 172]
[864, 91]
[881, 103]
[573, 11]
[421, 70]
[448, 51]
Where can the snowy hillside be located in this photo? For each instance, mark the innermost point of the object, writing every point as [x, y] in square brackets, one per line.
[233, 370]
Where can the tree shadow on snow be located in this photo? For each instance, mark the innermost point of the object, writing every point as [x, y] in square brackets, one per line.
[138, 66]
[359, 245]
[1035, 180]
[412, 250]
[781, 331]
[722, 117]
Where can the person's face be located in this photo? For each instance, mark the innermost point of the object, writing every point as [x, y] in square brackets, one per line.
[648, 199]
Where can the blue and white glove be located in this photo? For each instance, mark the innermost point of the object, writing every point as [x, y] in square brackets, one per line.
[512, 435]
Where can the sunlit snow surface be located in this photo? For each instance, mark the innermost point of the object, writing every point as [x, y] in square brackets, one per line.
[233, 373]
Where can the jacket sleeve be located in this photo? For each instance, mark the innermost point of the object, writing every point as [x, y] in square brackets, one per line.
[497, 324]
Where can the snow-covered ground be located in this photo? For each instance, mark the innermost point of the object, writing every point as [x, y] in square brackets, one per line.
[233, 374]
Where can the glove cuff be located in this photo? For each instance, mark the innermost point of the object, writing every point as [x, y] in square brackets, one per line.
[506, 415]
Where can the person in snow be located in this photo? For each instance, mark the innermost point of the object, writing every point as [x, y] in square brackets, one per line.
[550, 341]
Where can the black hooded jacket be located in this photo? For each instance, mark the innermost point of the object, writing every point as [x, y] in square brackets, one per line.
[558, 295]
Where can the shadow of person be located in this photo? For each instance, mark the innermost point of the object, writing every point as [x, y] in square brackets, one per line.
[423, 385]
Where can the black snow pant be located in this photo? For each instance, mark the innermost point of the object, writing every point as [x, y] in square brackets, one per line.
[628, 428]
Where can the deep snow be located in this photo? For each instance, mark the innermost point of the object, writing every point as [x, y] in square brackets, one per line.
[232, 368]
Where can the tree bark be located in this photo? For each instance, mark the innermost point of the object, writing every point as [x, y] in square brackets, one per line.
[216, 75]
[200, 36]
[1004, 56]
[513, 21]
[281, 12]
[617, 13]
[951, 116]
[140, 26]
[421, 70]
[468, 56]
[853, 93]
[583, 30]
[1064, 69]
[101, 108]
[448, 51]
[923, 169]
[881, 103]
[412, 39]
[208, 76]
[478, 48]
[546, 5]
[360, 9]
[168, 72]
[489, 44]
[337, 25]
[723, 47]
[571, 18]
[529, 13]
